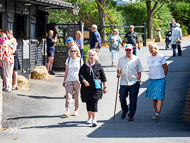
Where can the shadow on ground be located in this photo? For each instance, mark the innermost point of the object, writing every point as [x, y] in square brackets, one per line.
[170, 124]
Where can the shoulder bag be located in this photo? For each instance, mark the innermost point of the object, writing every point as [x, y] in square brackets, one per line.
[178, 39]
[96, 80]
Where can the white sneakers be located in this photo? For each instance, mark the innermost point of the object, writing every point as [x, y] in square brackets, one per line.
[89, 121]
[93, 122]
[156, 116]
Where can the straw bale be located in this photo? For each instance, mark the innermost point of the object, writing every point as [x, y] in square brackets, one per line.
[22, 83]
[40, 72]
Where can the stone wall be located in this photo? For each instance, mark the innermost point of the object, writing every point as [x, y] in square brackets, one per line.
[186, 114]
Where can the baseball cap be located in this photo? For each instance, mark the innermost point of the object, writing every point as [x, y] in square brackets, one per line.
[129, 46]
[69, 39]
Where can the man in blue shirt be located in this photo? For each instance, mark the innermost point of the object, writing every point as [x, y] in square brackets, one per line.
[95, 42]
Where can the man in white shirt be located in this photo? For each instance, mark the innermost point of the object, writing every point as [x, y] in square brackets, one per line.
[129, 68]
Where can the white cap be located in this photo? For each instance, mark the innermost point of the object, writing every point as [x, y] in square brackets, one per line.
[129, 46]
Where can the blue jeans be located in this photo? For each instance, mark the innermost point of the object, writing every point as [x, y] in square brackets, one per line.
[178, 48]
[133, 91]
[134, 51]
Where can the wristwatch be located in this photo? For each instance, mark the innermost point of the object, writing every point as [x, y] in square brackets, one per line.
[105, 87]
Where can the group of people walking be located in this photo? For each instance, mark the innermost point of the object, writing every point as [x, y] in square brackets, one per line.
[88, 80]
[9, 61]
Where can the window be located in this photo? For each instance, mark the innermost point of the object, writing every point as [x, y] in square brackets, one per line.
[33, 29]
[10, 26]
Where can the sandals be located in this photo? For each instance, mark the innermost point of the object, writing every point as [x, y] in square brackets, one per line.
[75, 113]
[66, 114]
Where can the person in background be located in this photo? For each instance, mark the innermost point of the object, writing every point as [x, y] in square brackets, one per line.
[89, 93]
[70, 43]
[176, 33]
[50, 51]
[129, 68]
[168, 37]
[95, 41]
[172, 25]
[13, 41]
[7, 63]
[114, 40]
[79, 42]
[71, 80]
[132, 38]
[157, 74]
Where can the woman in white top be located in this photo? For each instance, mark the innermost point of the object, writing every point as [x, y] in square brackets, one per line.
[71, 80]
[156, 86]
[114, 40]
[176, 33]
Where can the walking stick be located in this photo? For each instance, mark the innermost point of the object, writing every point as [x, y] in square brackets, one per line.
[116, 97]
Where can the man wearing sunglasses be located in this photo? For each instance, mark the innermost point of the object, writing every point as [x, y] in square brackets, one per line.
[132, 38]
[129, 68]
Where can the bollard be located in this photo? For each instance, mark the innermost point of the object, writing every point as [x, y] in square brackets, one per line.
[1, 102]
[158, 35]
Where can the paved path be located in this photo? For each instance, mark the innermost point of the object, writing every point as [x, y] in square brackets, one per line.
[35, 116]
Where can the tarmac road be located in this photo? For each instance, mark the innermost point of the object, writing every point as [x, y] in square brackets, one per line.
[35, 116]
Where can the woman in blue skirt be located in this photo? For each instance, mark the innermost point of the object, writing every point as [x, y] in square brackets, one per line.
[156, 85]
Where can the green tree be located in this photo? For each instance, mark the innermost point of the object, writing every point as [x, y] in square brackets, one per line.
[151, 11]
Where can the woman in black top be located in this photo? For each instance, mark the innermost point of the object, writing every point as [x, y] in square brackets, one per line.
[89, 94]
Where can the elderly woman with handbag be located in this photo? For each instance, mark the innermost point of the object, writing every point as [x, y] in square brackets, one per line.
[157, 74]
[114, 40]
[91, 75]
[176, 40]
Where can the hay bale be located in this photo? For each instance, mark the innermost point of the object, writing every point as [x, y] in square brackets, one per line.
[22, 83]
[40, 72]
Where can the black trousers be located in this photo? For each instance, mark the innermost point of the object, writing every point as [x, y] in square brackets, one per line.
[92, 105]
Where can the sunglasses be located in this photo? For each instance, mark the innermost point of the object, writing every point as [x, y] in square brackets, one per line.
[73, 51]
[114, 31]
[127, 49]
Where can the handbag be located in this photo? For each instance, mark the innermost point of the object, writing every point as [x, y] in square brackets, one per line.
[178, 39]
[96, 80]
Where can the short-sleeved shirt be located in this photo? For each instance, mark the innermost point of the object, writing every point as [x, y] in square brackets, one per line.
[132, 38]
[73, 68]
[155, 65]
[171, 26]
[95, 38]
[50, 44]
[80, 42]
[129, 69]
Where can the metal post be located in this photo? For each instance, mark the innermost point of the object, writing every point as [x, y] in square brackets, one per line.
[29, 39]
[6, 15]
[144, 36]
[80, 26]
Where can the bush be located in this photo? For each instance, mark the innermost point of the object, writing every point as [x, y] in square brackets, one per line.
[180, 11]
[136, 14]
[85, 56]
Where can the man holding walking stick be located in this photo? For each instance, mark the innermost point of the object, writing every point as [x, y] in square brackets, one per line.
[130, 67]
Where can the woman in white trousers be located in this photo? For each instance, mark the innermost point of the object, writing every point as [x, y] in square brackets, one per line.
[114, 40]
[7, 63]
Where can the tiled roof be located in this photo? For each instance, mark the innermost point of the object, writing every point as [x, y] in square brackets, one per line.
[56, 3]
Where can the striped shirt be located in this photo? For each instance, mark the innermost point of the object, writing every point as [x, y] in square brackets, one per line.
[129, 69]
